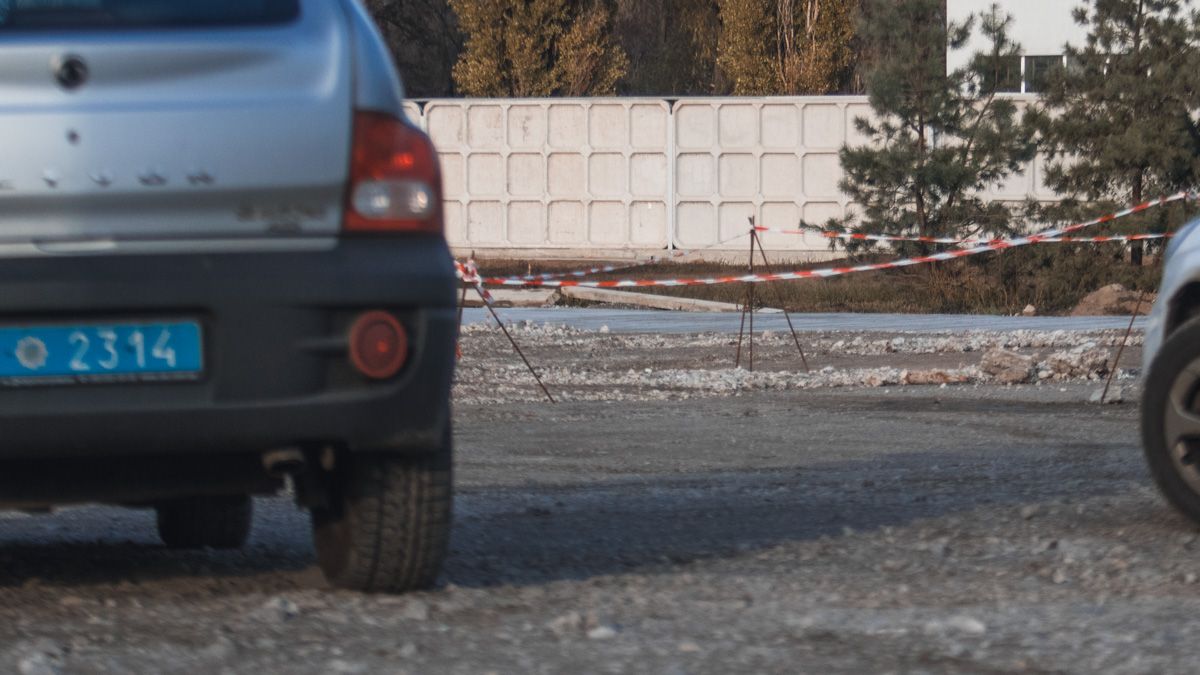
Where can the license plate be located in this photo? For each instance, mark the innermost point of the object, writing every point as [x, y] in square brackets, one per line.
[100, 353]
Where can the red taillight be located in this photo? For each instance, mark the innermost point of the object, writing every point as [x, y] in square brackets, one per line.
[395, 184]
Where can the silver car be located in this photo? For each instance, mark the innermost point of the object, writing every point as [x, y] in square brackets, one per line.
[1171, 360]
[222, 267]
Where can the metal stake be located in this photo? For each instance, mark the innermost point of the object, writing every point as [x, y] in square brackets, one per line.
[737, 361]
[517, 348]
[750, 289]
[462, 304]
[1113, 371]
[779, 298]
[747, 306]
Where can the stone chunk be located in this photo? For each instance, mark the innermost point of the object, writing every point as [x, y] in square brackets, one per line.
[1007, 367]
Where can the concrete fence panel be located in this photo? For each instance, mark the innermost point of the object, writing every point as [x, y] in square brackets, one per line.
[618, 177]
[554, 175]
[773, 159]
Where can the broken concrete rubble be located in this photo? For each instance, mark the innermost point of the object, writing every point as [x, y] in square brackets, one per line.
[1007, 367]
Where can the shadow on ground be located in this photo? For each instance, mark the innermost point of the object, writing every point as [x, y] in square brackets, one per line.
[540, 534]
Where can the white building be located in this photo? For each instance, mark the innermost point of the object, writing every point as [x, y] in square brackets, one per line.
[1040, 27]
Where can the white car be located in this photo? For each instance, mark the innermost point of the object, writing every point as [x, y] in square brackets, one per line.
[1171, 362]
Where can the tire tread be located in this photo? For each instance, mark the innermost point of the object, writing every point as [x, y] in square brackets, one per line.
[1178, 350]
[395, 523]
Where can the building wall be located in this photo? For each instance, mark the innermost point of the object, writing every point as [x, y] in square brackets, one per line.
[624, 177]
[1041, 27]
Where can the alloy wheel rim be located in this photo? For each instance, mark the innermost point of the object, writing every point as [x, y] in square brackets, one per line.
[1181, 424]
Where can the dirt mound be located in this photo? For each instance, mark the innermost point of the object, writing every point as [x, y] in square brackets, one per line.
[1113, 299]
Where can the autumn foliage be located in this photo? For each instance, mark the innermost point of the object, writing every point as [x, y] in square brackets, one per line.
[786, 46]
[537, 48]
[633, 47]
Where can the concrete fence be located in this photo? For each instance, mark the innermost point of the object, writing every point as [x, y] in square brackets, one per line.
[620, 177]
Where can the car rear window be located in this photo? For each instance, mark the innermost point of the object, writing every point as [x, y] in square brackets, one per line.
[32, 14]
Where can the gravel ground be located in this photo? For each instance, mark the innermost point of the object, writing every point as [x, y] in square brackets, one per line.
[688, 519]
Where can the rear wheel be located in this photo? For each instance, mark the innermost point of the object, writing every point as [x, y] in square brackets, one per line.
[214, 521]
[388, 523]
[1171, 419]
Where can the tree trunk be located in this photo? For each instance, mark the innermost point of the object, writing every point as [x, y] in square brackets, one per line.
[1135, 248]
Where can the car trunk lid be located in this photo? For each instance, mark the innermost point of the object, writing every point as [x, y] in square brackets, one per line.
[210, 131]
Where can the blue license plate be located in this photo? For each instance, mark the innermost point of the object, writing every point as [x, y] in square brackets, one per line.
[100, 352]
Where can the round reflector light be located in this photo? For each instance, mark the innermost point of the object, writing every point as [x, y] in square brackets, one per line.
[378, 345]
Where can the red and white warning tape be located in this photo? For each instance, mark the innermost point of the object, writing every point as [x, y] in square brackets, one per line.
[1161, 201]
[858, 236]
[584, 273]
[1047, 236]
[653, 260]
[1100, 240]
[461, 270]
[468, 273]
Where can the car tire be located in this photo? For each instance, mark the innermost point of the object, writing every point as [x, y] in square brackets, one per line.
[1171, 419]
[221, 522]
[387, 527]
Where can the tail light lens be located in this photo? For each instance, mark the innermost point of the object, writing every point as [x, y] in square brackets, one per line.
[395, 183]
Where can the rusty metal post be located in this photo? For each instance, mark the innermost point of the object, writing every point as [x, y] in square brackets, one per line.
[462, 304]
[779, 299]
[737, 360]
[517, 348]
[1137, 308]
[747, 302]
[750, 295]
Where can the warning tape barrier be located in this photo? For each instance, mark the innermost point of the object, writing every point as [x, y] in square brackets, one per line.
[475, 279]
[963, 242]
[859, 236]
[468, 273]
[584, 273]
[1047, 236]
[653, 260]
[1103, 239]
[519, 280]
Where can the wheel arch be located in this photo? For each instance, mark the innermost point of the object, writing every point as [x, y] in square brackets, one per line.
[1184, 305]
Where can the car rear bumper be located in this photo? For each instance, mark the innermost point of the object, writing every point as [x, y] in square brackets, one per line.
[277, 370]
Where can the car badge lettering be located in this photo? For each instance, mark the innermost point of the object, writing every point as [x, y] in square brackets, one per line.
[200, 177]
[151, 178]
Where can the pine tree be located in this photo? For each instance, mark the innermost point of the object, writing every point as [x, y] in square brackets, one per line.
[537, 48]
[1118, 120]
[937, 141]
